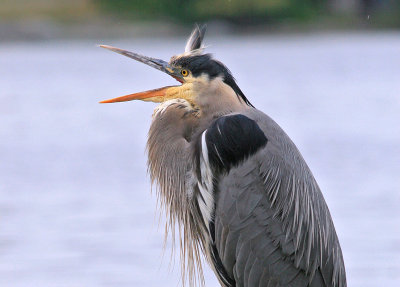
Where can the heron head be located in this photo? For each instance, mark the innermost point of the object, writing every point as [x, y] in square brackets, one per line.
[193, 69]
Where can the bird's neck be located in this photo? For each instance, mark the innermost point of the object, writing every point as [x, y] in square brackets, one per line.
[215, 98]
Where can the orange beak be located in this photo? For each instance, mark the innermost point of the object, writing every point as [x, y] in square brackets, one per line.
[157, 95]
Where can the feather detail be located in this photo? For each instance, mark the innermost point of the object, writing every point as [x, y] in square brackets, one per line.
[195, 41]
[170, 168]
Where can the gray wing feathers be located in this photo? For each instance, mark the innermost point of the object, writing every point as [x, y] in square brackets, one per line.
[272, 225]
[258, 259]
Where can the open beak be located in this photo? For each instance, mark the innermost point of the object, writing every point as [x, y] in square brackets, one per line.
[157, 95]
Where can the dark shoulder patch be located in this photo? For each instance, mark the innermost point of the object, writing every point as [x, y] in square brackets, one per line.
[231, 139]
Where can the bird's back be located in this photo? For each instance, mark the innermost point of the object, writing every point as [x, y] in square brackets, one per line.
[271, 225]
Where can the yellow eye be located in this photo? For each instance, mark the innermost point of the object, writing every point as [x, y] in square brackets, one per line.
[184, 73]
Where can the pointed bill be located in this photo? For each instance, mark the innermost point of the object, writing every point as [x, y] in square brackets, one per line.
[152, 62]
[156, 96]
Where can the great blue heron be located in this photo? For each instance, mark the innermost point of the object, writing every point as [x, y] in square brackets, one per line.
[233, 181]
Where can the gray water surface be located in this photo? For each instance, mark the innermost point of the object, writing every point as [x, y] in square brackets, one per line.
[75, 202]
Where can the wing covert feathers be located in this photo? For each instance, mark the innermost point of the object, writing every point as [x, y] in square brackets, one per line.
[272, 226]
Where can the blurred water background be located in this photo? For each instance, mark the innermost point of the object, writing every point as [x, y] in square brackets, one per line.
[75, 201]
